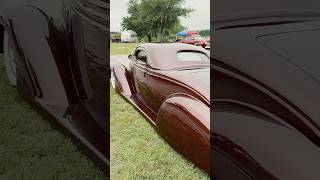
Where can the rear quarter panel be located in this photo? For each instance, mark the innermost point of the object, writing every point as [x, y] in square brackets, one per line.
[184, 121]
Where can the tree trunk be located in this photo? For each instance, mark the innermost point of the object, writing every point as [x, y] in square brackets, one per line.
[159, 36]
[149, 38]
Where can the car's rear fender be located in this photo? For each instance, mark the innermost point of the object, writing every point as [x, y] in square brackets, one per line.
[184, 121]
[123, 79]
[262, 146]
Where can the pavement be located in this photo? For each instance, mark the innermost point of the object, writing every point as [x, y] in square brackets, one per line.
[114, 59]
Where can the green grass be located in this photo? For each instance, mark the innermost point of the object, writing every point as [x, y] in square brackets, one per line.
[31, 149]
[138, 152]
[122, 48]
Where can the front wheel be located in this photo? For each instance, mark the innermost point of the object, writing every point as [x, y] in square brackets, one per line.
[9, 59]
[113, 82]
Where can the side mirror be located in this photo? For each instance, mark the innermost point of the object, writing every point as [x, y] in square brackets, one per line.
[130, 57]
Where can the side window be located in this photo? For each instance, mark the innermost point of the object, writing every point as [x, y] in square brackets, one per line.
[141, 56]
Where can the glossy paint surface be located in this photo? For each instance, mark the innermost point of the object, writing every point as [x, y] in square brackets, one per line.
[265, 118]
[173, 101]
[61, 67]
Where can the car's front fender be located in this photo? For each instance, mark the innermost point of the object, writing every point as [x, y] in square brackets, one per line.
[42, 49]
[122, 79]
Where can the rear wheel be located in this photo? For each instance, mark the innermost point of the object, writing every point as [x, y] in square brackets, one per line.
[9, 59]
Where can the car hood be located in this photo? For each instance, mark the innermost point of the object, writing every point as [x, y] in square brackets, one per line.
[196, 79]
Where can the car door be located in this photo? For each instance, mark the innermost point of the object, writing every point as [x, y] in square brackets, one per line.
[150, 88]
[140, 74]
[90, 36]
[93, 18]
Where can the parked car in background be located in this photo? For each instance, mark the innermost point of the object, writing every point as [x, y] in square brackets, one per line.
[115, 37]
[115, 40]
[195, 40]
[169, 84]
[56, 54]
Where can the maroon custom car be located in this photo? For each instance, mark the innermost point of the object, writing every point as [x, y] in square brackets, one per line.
[265, 90]
[169, 85]
[56, 54]
[195, 40]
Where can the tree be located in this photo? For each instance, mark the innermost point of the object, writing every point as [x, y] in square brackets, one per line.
[134, 21]
[204, 33]
[171, 34]
[176, 28]
[154, 17]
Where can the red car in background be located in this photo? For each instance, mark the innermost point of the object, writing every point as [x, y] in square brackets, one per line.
[196, 40]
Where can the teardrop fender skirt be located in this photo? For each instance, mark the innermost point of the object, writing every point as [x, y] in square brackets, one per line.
[184, 122]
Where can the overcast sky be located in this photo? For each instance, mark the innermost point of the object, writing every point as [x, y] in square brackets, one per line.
[198, 19]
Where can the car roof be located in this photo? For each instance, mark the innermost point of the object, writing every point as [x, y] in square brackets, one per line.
[231, 13]
[163, 55]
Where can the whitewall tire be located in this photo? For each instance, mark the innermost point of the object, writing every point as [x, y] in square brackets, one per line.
[113, 82]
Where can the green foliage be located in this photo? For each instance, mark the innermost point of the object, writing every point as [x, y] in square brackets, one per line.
[154, 17]
[171, 35]
[177, 28]
[115, 35]
[204, 32]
